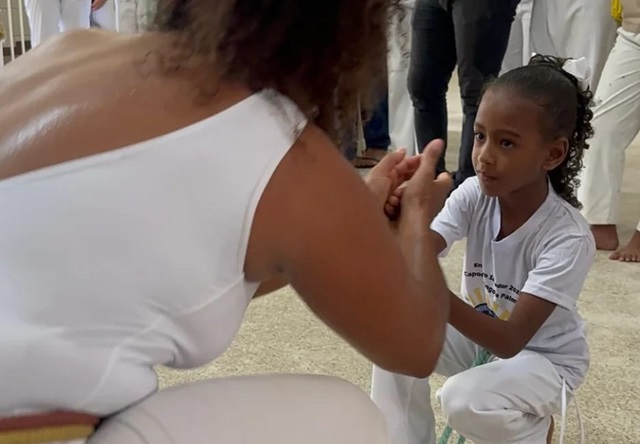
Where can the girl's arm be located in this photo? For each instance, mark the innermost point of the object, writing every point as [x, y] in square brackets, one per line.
[503, 339]
[555, 281]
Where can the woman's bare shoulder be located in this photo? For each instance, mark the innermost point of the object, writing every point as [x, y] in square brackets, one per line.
[84, 93]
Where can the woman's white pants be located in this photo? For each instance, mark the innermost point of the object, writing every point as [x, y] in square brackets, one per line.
[270, 409]
[508, 401]
[616, 123]
[51, 17]
[574, 28]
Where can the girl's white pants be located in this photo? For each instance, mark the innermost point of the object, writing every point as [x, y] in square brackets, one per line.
[51, 17]
[616, 123]
[574, 28]
[270, 409]
[508, 401]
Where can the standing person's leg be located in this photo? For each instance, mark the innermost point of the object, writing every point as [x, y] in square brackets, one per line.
[376, 130]
[482, 29]
[591, 34]
[105, 17]
[433, 58]
[525, 18]
[44, 19]
[509, 401]
[616, 123]
[574, 29]
[405, 402]
[75, 14]
[146, 11]
[376, 126]
[270, 409]
[514, 56]
[127, 16]
[401, 127]
[518, 49]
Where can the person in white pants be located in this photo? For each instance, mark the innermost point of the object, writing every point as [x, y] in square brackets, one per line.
[519, 48]
[401, 126]
[103, 14]
[574, 29]
[134, 15]
[124, 16]
[616, 124]
[50, 17]
[522, 275]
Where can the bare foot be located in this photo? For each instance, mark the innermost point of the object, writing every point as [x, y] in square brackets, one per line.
[550, 434]
[630, 252]
[606, 237]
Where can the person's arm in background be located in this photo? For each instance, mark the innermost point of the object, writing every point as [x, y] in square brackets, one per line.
[329, 237]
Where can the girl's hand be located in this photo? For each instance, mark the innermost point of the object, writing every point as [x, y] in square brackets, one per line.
[421, 192]
[391, 172]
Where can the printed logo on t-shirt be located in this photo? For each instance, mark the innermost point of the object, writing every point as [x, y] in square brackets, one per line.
[492, 298]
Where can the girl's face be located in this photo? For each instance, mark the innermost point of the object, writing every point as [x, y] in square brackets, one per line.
[510, 152]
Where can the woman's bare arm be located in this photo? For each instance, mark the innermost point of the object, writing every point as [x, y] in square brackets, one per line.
[318, 225]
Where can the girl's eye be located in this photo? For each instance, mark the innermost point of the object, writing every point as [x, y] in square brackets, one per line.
[506, 144]
[479, 136]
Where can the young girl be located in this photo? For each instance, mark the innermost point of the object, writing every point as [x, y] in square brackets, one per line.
[527, 256]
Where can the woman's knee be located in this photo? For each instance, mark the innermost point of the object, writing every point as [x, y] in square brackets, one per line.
[272, 408]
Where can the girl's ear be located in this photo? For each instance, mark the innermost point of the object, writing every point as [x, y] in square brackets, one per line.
[556, 153]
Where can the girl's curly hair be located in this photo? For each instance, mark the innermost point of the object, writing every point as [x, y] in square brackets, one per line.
[567, 113]
[323, 54]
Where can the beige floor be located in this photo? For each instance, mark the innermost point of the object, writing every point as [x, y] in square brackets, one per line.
[281, 335]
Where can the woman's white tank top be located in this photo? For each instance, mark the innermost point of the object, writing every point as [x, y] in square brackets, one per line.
[117, 262]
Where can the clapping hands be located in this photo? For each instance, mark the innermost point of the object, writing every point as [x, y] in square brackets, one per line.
[403, 183]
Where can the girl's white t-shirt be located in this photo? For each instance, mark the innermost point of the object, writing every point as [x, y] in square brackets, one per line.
[549, 257]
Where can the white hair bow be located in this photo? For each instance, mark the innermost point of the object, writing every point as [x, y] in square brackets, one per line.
[580, 69]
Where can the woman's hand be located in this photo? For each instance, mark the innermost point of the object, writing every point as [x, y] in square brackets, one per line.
[390, 173]
[421, 192]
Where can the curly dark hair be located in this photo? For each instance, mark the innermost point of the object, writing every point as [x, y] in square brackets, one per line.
[323, 54]
[567, 113]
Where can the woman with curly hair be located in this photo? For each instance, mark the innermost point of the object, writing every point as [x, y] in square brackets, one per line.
[152, 185]
[527, 256]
